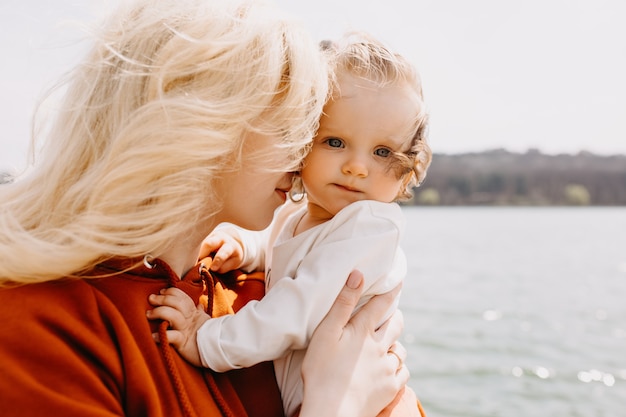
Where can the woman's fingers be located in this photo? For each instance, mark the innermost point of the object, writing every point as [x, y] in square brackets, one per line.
[402, 371]
[392, 328]
[344, 305]
[397, 354]
[366, 376]
[374, 312]
[399, 351]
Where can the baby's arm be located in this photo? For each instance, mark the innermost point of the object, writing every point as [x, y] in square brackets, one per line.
[288, 314]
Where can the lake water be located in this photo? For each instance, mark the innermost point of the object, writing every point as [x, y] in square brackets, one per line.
[517, 311]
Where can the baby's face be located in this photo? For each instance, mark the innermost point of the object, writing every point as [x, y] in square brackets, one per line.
[359, 132]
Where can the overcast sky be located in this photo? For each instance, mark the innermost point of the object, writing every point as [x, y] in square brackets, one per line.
[546, 74]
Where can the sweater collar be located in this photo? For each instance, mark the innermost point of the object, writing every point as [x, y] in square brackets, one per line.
[192, 283]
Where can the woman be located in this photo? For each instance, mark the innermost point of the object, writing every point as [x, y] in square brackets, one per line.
[185, 114]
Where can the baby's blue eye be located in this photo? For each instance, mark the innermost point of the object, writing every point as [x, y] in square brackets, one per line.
[383, 152]
[334, 142]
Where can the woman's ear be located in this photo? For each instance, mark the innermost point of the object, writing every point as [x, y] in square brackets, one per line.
[296, 193]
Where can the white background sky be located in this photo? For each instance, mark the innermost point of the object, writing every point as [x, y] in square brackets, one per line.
[546, 74]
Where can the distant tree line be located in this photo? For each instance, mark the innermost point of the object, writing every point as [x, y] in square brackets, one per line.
[499, 177]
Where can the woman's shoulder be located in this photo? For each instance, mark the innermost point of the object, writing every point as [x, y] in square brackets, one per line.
[65, 289]
[50, 305]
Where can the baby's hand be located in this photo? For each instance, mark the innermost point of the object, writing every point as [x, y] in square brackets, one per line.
[228, 251]
[176, 307]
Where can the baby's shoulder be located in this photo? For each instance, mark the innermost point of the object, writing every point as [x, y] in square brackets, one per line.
[373, 211]
[366, 218]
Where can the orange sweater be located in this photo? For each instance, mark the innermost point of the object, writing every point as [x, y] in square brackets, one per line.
[84, 347]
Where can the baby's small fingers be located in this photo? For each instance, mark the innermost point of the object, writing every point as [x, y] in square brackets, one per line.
[174, 337]
[160, 299]
[207, 248]
[175, 298]
[169, 314]
[217, 263]
[229, 265]
[174, 292]
[222, 256]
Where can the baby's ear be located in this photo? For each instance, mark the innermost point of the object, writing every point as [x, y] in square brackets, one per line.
[422, 162]
[407, 179]
[404, 193]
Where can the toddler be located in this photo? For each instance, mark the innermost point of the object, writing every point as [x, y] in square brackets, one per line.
[369, 151]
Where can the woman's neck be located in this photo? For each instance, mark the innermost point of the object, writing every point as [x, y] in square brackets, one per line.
[182, 255]
[181, 259]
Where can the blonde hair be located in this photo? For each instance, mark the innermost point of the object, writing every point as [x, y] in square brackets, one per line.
[361, 55]
[152, 117]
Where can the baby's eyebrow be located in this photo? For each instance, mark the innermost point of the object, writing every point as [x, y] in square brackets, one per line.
[396, 143]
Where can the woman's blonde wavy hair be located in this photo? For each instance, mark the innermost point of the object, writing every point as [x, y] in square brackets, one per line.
[361, 55]
[151, 119]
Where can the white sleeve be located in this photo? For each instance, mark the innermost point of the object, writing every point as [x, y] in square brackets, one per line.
[288, 314]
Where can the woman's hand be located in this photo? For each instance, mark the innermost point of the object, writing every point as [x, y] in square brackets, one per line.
[349, 369]
[228, 251]
[185, 318]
